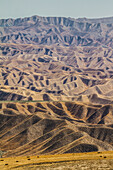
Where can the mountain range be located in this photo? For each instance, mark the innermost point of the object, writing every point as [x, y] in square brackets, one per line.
[56, 85]
[57, 30]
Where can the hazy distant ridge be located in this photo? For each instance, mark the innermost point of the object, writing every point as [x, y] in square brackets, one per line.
[57, 30]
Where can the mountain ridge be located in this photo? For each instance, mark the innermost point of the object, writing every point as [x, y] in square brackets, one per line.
[57, 30]
[56, 85]
[101, 19]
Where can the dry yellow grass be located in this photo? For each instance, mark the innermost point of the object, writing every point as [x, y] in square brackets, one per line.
[47, 160]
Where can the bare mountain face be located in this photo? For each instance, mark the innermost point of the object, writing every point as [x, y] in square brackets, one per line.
[28, 72]
[56, 85]
[57, 30]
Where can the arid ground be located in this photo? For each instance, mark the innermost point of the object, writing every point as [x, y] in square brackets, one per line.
[89, 161]
[56, 86]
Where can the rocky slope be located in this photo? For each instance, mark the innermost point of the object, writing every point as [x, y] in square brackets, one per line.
[62, 68]
[33, 72]
[57, 30]
[54, 128]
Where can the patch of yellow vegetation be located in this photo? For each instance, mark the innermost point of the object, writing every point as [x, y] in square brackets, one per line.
[18, 162]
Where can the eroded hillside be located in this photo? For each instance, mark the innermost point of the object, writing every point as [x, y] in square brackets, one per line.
[56, 85]
[57, 30]
[29, 72]
[54, 128]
